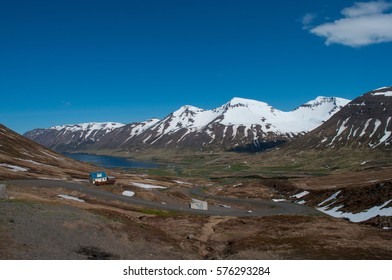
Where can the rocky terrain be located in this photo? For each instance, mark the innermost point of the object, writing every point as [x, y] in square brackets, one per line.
[67, 137]
[21, 158]
[363, 123]
[38, 224]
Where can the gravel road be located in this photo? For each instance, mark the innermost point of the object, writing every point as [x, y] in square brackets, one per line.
[239, 207]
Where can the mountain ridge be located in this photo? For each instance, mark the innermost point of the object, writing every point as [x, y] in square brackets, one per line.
[365, 122]
[22, 158]
[239, 122]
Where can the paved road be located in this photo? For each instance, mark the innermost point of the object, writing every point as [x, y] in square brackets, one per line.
[239, 207]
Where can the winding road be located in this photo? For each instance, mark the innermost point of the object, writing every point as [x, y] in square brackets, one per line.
[238, 207]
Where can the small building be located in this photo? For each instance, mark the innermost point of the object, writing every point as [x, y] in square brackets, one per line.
[101, 178]
[198, 204]
[3, 194]
[97, 178]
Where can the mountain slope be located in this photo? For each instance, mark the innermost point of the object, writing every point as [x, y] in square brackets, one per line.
[238, 123]
[22, 158]
[67, 137]
[364, 123]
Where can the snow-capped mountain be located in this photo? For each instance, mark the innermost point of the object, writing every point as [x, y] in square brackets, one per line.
[78, 136]
[248, 113]
[366, 122]
[238, 123]
[89, 127]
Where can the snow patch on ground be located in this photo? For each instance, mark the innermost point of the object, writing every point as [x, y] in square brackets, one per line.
[182, 183]
[358, 217]
[52, 156]
[68, 197]
[30, 161]
[14, 168]
[147, 186]
[299, 195]
[332, 197]
[128, 193]
[279, 200]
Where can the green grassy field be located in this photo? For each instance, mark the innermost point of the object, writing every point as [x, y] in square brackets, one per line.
[275, 163]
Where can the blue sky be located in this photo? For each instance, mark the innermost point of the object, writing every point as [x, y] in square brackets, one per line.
[81, 61]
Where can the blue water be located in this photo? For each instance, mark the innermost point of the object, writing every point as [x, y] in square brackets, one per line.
[112, 162]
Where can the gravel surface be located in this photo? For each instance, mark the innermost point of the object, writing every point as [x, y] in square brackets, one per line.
[240, 206]
[42, 231]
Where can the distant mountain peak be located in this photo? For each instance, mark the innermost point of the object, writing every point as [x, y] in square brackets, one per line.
[239, 122]
[89, 126]
[187, 110]
[323, 99]
[238, 102]
[246, 102]
[319, 100]
[364, 123]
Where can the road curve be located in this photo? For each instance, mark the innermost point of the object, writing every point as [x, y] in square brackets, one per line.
[258, 207]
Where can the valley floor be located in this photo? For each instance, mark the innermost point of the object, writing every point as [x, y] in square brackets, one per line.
[37, 224]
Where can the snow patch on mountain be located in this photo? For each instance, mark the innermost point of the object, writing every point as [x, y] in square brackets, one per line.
[138, 128]
[386, 93]
[387, 134]
[107, 126]
[89, 126]
[245, 112]
[88, 130]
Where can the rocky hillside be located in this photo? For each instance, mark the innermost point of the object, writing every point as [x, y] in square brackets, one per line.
[68, 137]
[21, 158]
[238, 124]
[364, 123]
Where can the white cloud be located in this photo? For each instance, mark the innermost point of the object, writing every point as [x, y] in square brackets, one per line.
[307, 20]
[363, 24]
[366, 8]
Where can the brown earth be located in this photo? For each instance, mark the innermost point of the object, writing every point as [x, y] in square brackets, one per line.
[343, 180]
[254, 189]
[36, 224]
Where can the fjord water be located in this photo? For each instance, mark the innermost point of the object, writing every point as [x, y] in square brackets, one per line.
[111, 161]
